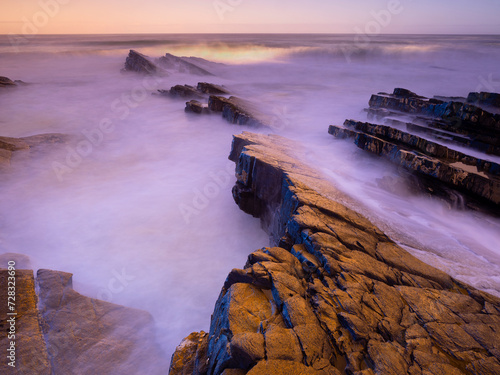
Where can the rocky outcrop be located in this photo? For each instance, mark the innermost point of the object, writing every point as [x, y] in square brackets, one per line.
[486, 99]
[182, 91]
[59, 331]
[336, 295]
[482, 127]
[181, 65]
[422, 136]
[465, 173]
[210, 88]
[29, 145]
[139, 63]
[194, 106]
[6, 82]
[237, 111]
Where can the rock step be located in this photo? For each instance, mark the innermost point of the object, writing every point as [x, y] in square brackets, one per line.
[457, 175]
[337, 296]
[413, 142]
[455, 116]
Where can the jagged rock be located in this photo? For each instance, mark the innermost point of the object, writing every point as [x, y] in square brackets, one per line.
[456, 117]
[181, 65]
[236, 110]
[477, 177]
[190, 357]
[137, 62]
[6, 82]
[342, 298]
[210, 88]
[195, 106]
[182, 91]
[487, 99]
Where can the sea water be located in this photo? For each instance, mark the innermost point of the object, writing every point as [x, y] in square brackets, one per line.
[142, 213]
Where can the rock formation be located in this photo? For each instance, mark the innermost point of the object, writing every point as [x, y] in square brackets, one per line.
[425, 141]
[335, 295]
[6, 82]
[235, 110]
[181, 65]
[59, 331]
[139, 63]
[32, 144]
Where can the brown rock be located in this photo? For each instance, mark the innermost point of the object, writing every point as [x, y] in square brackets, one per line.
[387, 358]
[282, 344]
[31, 355]
[92, 336]
[189, 357]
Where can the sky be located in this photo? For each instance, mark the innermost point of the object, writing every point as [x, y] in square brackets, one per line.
[249, 16]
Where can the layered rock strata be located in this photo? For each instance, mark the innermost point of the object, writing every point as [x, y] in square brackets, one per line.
[59, 331]
[443, 141]
[335, 296]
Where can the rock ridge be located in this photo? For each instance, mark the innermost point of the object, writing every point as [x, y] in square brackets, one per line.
[334, 295]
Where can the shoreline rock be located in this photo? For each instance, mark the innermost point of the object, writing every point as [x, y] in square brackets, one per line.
[335, 296]
[59, 331]
[421, 134]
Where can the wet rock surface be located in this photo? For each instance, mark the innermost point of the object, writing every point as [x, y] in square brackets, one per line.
[447, 143]
[335, 296]
[59, 331]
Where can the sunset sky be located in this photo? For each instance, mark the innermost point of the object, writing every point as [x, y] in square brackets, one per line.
[249, 16]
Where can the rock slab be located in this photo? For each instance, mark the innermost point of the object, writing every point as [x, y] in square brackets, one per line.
[335, 295]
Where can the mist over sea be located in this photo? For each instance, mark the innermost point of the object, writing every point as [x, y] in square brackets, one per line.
[145, 216]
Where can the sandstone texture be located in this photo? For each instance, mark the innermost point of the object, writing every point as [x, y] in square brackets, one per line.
[334, 295]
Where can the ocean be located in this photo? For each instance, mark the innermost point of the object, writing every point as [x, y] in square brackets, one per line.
[144, 217]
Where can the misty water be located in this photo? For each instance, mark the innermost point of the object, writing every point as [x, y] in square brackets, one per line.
[145, 216]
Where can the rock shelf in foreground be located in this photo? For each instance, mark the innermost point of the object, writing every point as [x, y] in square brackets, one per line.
[59, 331]
[335, 296]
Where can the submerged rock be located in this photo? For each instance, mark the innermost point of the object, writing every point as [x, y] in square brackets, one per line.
[336, 295]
